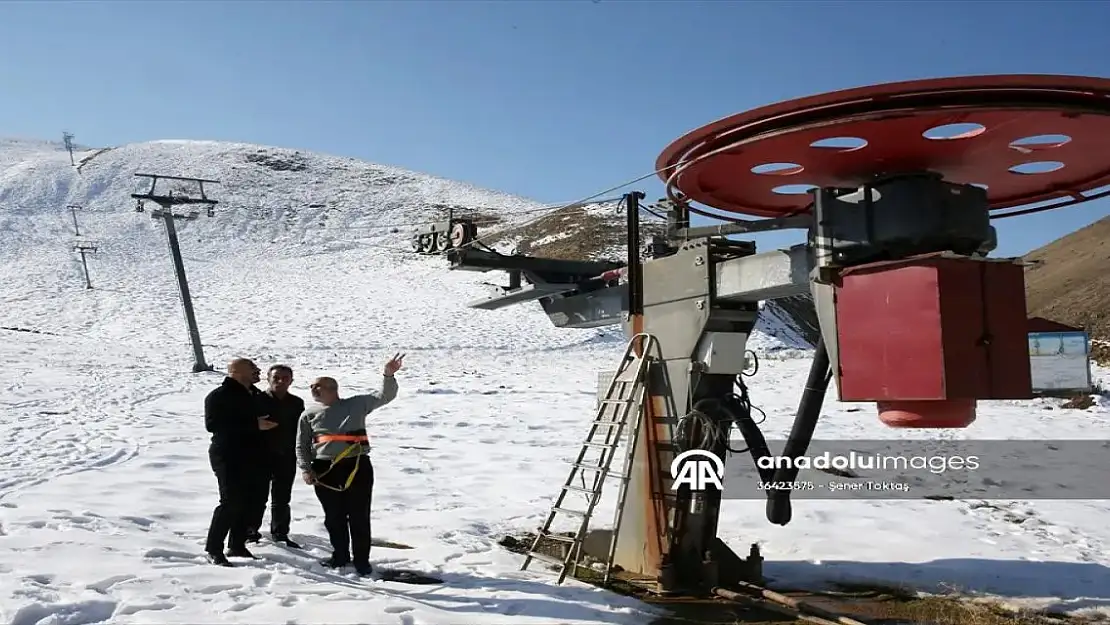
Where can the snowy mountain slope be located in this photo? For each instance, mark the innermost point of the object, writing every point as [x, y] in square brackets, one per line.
[332, 205]
[106, 524]
[275, 204]
[294, 202]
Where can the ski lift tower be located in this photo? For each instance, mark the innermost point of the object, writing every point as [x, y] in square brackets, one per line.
[896, 188]
[168, 202]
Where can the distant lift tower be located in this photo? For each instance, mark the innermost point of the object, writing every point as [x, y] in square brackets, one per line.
[83, 247]
[167, 203]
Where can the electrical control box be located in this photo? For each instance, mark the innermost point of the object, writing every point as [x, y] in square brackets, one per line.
[933, 327]
[723, 352]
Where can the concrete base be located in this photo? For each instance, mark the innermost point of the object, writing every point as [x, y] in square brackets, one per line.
[723, 567]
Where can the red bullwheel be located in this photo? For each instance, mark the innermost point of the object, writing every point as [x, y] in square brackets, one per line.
[1033, 142]
[1027, 139]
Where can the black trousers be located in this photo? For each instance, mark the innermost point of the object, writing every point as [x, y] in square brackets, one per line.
[235, 477]
[347, 512]
[275, 475]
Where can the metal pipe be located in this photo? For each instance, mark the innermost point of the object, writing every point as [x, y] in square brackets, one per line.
[809, 411]
[199, 363]
[634, 269]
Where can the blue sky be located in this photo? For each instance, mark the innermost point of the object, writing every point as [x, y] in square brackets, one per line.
[553, 100]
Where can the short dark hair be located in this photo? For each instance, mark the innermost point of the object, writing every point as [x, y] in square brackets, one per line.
[285, 368]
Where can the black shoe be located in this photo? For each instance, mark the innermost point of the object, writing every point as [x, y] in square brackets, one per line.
[253, 536]
[364, 569]
[336, 562]
[281, 538]
[241, 552]
[218, 559]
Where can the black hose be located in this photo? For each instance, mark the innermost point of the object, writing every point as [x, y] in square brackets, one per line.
[801, 434]
[753, 436]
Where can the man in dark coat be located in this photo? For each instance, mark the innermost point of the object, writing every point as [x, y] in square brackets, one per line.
[235, 418]
[278, 469]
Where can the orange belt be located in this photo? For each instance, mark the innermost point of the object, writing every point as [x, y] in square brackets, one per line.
[342, 438]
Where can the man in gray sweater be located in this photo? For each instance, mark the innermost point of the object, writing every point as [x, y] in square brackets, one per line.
[333, 454]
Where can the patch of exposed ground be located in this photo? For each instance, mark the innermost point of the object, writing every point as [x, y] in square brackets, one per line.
[869, 604]
[579, 233]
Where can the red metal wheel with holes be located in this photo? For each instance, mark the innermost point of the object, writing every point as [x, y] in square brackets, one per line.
[1028, 139]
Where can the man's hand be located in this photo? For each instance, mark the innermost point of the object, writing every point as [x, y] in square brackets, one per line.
[309, 477]
[264, 423]
[395, 364]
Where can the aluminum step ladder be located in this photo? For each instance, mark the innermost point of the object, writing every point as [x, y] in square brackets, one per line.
[623, 398]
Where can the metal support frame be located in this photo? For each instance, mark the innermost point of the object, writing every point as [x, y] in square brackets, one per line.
[704, 289]
[452, 233]
[84, 248]
[73, 211]
[702, 298]
[680, 528]
[701, 301]
[550, 279]
[169, 218]
[633, 264]
[67, 140]
[769, 275]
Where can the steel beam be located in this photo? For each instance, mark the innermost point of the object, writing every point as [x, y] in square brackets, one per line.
[470, 259]
[770, 275]
[766, 276]
[520, 295]
[593, 309]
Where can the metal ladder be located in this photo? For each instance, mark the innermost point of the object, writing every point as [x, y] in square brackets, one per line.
[624, 396]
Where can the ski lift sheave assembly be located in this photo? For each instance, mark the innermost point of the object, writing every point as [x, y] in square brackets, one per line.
[896, 186]
[440, 236]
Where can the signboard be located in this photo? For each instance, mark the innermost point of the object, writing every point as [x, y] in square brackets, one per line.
[604, 378]
[1060, 361]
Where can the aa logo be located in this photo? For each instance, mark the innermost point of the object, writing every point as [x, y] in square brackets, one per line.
[696, 468]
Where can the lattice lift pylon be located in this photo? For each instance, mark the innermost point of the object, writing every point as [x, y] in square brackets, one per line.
[624, 397]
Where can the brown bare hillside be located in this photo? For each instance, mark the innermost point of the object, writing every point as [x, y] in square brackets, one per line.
[592, 232]
[1070, 283]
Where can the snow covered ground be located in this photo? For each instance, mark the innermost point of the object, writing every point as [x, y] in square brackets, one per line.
[106, 492]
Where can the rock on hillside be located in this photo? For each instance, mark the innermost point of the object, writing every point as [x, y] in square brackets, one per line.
[1069, 282]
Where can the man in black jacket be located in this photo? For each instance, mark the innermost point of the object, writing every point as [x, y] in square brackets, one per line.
[278, 468]
[235, 417]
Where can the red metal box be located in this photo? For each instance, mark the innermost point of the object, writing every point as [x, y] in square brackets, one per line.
[932, 327]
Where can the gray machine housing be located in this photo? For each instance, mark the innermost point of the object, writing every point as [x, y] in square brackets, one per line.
[900, 217]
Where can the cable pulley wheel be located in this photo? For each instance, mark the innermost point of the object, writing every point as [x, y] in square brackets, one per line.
[1026, 139]
[427, 242]
[459, 235]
